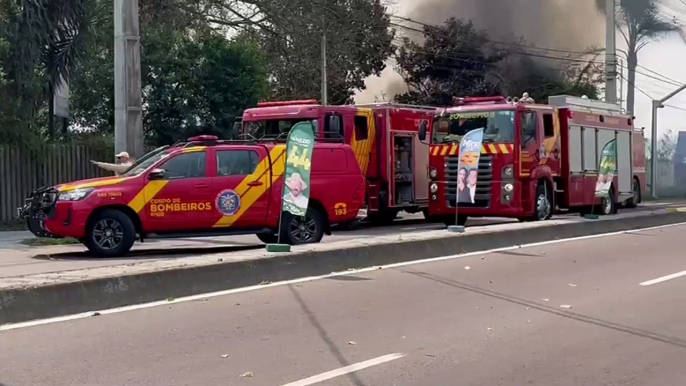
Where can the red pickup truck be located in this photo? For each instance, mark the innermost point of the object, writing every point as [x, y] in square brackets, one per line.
[199, 188]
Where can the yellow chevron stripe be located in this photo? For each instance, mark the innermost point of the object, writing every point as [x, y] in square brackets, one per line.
[95, 184]
[149, 191]
[444, 150]
[252, 195]
[193, 149]
[454, 149]
[503, 149]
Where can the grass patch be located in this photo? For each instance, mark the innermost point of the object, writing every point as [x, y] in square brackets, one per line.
[40, 242]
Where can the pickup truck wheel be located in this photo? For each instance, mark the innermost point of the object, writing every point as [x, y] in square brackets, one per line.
[297, 230]
[110, 234]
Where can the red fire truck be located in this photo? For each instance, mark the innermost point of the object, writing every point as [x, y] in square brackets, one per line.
[383, 136]
[534, 158]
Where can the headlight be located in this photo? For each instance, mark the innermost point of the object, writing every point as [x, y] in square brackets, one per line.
[508, 171]
[508, 187]
[75, 195]
[433, 188]
[433, 173]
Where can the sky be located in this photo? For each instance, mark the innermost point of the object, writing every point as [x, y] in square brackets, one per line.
[665, 57]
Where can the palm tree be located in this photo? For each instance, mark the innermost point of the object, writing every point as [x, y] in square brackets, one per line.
[51, 37]
[639, 22]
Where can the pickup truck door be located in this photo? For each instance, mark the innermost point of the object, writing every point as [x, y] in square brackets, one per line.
[184, 200]
[240, 188]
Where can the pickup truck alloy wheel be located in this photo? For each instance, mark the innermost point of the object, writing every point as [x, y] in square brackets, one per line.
[303, 230]
[108, 234]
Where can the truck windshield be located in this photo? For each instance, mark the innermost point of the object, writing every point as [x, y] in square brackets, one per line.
[498, 126]
[272, 128]
[146, 162]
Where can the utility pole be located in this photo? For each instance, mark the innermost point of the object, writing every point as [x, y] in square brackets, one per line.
[620, 97]
[128, 109]
[610, 53]
[324, 91]
[657, 104]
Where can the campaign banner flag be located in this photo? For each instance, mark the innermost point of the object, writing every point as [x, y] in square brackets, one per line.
[468, 165]
[606, 169]
[299, 148]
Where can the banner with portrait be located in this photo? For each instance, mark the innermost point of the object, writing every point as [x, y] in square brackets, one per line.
[468, 165]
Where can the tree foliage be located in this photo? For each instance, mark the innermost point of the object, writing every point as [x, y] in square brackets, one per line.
[456, 59]
[358, 42]
[194, 80]
[639, 23]
[452, 61]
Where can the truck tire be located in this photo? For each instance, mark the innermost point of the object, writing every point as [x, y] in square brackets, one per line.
[111, 233]
[633, 201]
[607, 204]
[296, 230]
[543, 209]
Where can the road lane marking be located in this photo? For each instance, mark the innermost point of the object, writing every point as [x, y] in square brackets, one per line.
[346, 370]
[83, 315]
[664, 278]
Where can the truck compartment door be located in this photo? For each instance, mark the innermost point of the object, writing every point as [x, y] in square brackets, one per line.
[420, 154]
[624, 163]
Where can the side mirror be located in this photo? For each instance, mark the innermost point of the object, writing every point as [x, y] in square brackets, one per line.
[156, 174]
[423, 127]
[335, 124]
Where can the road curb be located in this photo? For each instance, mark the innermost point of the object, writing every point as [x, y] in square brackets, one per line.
[23, 304]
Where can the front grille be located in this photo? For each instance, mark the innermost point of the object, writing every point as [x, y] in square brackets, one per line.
[482, 197]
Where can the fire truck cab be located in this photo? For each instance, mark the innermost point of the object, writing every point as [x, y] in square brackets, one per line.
[534, 158]
[384, 138]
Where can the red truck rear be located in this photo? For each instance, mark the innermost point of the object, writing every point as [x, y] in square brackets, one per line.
[383, 136]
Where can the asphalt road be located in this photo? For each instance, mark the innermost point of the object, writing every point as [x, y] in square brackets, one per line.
[17, 259]
[500, 322]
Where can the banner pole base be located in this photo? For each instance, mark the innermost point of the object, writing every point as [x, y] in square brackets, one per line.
[591, 216]
[278, 248]
[456, 229]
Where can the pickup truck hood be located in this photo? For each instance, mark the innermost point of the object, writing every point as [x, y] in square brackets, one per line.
[91, 183]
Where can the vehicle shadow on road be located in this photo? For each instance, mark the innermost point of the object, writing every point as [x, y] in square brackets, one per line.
[325, 336]
[147, 253]
[565, 314]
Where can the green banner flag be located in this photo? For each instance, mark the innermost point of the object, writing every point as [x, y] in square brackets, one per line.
[299, 147]
[606, 170]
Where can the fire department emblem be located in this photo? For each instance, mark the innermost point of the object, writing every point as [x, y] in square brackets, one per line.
[228, 202]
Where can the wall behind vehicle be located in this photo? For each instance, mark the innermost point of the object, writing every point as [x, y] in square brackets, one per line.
[22, 171]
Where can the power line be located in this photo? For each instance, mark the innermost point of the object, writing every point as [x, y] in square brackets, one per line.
[659, 76]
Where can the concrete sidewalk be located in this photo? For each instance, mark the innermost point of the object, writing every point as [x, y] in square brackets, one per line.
[62, 293]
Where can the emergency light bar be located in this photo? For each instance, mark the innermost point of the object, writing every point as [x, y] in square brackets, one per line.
[288, 103]
[477, 100]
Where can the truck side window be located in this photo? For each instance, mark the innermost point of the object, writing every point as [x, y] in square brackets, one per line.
[236, 162]
[188, 165]
[528, 127]
[332, 132]
[548, 127]
[361, 128]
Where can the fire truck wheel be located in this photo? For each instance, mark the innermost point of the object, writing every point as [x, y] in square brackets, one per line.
[607, 204]
[544, 205]
[299, 230]
[110, 233]
[633, 201]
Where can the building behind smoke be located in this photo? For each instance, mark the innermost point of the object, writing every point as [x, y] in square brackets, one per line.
[563, 25]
